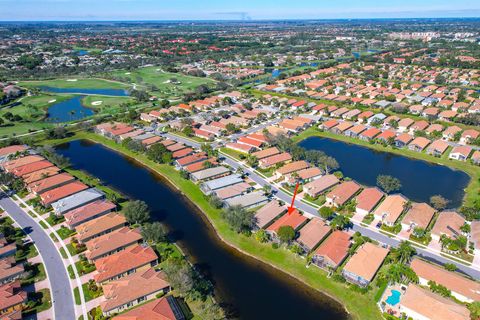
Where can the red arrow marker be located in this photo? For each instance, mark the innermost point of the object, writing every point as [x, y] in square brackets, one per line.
[292, 208]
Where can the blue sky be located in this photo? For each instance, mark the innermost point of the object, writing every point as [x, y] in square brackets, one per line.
[227, 9]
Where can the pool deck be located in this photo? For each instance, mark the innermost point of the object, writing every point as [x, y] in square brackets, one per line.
[384, 306]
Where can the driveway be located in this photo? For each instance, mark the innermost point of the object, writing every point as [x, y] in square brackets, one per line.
[62, 294]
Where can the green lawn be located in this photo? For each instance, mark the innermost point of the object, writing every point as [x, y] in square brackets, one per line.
[233, 153]
[90, 83]
[472, 190]
[82, 269]
[38, 301]
[161, 80]
[88, 294]
[361, 306]
[65, 232]
[36, 273]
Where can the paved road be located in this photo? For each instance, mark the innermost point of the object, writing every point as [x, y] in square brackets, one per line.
[62, 294]
[373, 234]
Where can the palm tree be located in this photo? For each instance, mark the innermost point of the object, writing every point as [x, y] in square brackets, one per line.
[404, 252]
[340, 222]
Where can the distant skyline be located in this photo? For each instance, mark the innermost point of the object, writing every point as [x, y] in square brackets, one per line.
[97, 10]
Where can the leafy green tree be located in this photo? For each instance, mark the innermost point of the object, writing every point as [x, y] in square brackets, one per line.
[296, 249]
[450, 266]
[400, 273]
[239, 219]
[474, 308]
[286, 234]
[261, 236]
[137, 212]
[326, 212]
[340, 222]
[180, 275]
[388, 183]
[154, 232]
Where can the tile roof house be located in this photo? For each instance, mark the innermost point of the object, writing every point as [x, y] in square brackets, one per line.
[266, 214]
[369, 134]
[49, 183]
[58, 193]
[99, 226]
[112, 242]
[12, 164]
[333, 251]
[40, 174]
[12, 298]
[418, 144]
[233, 191]
[88, 212]
[294, 220]
[390, 209]
[10, 270]
[403, 139]
[462, 288]
[368, 199]
[123, 263]
[265, 153]
[132, 290]
[290, 168]
[437, 148]
[460, 153]
[270, 161]
[31, 167]
[419, 215]
[11, 150]
[312, 233]
[342, 193]
[165, 308]
[447, 223]
[364, 264]
[320, 185]
[420, 303]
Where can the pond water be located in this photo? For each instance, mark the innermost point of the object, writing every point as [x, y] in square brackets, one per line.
[247, 288]
[105, 92]
[420, 179]
[68, 110]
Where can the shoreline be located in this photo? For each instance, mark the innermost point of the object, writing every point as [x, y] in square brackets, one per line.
[204, 216]
[468, 169]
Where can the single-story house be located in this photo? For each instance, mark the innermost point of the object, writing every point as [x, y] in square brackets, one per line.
[364, 264]
[462, 288]
[460, 153]
[269, 212]
[210, 174]
[248, 200]
[77, 200]
[419, 303]
[419, 215]
[165, 308]
[212, 185]
[293, 219]
[134, 259]
[390, 209]
[367, 200]
[342, 193]
[312, 233]
[333, 251]
[132, 290]
[112, 242]
[99, 226]
[88, 212]
[449, 224]
[320, 185]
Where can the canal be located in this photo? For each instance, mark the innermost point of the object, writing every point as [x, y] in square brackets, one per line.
[420, 179]
[247, 288]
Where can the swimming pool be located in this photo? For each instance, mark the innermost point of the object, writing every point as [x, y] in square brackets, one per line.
[394, 297]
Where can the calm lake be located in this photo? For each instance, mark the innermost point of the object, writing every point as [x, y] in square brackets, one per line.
[68, 110]
[247, 288]
[420, 179]
[105, 92]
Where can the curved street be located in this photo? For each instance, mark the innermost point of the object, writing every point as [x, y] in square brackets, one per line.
[62, 294]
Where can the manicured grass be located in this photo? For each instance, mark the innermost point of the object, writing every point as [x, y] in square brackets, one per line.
[63, 253]
[54, 220]
[27, 251]
[106, 102]
[88, 294]
[74, 251]
[41, 301]
[361, 306]
[472, 190]
[82, 269]
[65, 232]
[233, 153]
[90, 83]
[197, 139]
[164, 88]
[36, 273]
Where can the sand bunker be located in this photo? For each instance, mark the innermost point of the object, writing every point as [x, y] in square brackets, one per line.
[52, 101]
[71, 80]
[97, 103]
